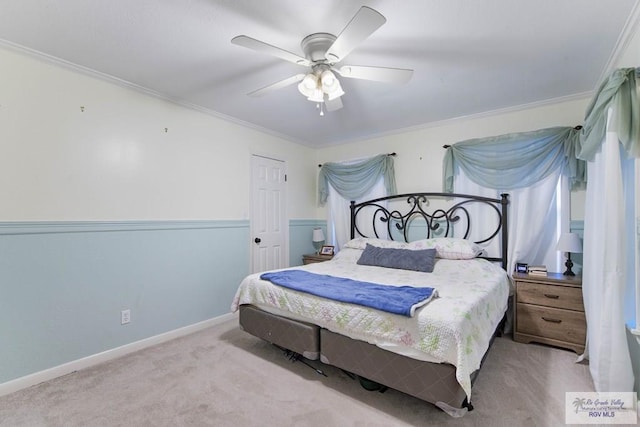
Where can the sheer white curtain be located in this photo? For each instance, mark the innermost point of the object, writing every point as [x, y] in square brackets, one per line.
[339, 214]
[605, 268]
[535, 218]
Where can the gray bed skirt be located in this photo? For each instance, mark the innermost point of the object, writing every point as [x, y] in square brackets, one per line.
[432, 382]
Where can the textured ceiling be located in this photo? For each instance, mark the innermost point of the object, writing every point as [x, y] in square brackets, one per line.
[469, 57]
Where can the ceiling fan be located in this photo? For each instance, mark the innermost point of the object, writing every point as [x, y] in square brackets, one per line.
[322, 51]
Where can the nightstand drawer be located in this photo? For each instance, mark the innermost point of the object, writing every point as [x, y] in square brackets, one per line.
[554, 323]
[550, 296]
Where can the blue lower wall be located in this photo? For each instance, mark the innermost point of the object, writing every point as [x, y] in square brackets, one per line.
[64, 284]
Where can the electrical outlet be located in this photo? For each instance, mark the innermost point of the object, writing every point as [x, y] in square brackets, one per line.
[125, 316]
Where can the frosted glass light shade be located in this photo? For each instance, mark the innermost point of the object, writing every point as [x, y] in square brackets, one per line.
[336, 93]
[329, 81]
[308, 85]
[316, 96]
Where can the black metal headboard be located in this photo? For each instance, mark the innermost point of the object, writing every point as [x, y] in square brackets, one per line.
[388, 221]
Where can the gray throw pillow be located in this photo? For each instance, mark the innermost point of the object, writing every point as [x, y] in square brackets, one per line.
[405, 259]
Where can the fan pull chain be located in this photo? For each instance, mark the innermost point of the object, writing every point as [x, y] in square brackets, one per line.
[320, 107]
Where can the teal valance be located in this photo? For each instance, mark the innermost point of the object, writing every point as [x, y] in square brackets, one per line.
[515, 160]
[354, 180]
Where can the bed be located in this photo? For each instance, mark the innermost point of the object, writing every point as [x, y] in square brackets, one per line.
[436, 352]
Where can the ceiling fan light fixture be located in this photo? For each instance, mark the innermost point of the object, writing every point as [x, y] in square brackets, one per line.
[322, 51]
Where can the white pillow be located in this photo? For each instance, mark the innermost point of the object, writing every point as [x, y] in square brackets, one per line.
[449, 247]
[446, 247]
[347, 255]
[361, 243]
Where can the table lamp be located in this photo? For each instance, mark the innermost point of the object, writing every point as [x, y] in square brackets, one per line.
[318, 239]
[569, 243]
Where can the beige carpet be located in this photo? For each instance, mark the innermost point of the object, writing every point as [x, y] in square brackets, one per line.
[225, 377]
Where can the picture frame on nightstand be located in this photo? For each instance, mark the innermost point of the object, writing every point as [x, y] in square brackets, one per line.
[326, 250]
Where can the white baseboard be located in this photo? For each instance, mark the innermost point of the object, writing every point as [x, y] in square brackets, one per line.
[94, 359]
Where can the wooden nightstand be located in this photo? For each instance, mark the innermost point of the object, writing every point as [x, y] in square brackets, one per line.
[311, 258]
[549, 310]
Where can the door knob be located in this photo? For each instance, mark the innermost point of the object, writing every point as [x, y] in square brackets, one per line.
[257, 240]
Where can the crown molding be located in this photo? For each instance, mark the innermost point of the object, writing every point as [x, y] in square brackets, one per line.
[476, 116]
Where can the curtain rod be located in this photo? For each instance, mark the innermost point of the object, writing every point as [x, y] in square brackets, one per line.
[576, 128]
[388, 154]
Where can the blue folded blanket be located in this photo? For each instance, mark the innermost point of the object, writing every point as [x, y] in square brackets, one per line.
[393, 299]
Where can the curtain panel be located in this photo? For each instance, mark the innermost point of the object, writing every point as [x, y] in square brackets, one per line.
[606, 267]
[353, 180]
[610, 138]
[516, 160]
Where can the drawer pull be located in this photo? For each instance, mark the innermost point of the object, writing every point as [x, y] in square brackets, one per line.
[552, 296]
[548, 319]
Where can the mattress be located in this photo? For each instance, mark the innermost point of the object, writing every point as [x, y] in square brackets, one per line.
[454, 328]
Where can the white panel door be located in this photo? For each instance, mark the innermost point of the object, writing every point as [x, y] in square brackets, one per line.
[268, 214]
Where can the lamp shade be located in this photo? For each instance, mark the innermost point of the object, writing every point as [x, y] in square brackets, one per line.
[308, 85]
[318, 235]
[569, 242]
[328, 81]
[316, 96]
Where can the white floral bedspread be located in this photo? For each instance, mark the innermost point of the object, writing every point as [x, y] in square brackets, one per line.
[454, 328]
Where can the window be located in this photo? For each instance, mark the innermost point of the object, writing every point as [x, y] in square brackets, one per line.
[631, 174]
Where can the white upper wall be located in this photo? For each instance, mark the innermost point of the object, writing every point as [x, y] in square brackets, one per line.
[115, 161]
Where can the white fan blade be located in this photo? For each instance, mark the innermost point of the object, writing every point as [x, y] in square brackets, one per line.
[277, 85]
[378, 74]
[333, 104]
[263, 47]
[361, 26]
